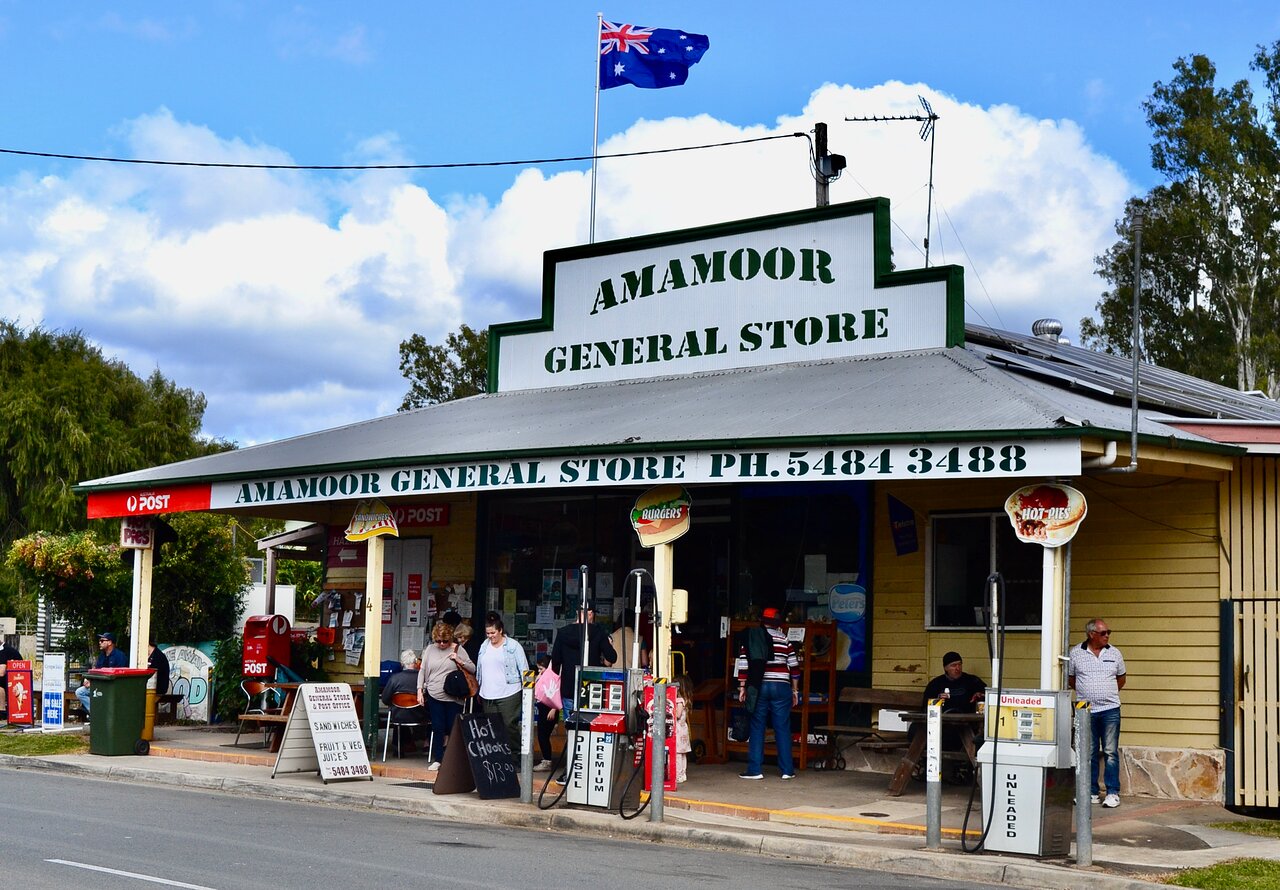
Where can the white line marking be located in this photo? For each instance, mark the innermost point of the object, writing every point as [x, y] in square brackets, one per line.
[129, 874]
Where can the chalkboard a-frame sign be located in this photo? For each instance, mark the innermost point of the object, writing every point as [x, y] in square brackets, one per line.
[478, 758]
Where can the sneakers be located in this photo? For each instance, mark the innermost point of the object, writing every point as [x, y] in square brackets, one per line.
[561, 780]
[750, 775]
[788, 775]
[1111, 801]
[1095, 798]
[435, 764]
[542, 766]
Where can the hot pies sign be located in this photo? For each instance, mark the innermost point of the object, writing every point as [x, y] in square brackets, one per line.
[1047, 514]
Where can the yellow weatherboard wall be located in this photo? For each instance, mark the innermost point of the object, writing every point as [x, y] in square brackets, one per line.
[453, 559]
[1145, 560]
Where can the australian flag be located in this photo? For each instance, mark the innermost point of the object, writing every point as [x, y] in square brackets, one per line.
[650, 58]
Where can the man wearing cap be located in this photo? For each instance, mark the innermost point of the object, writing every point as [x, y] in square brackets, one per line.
[109, 657]
[960, 692]
[566, 652]
[767, 667]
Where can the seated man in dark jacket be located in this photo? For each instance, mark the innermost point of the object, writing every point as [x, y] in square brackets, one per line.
[960, 694]
[406, 680]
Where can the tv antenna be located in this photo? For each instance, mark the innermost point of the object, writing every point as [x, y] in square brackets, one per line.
[928, 130]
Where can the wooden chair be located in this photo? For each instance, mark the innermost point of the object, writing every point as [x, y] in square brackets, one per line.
[400, 700]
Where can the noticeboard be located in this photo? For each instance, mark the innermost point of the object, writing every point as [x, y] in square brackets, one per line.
[478, 758]
[323, 734]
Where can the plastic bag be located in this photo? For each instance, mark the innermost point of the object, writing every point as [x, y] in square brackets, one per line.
[546, 689]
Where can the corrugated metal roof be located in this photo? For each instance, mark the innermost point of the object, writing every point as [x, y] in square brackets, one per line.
[934, 393]
[1178, 394]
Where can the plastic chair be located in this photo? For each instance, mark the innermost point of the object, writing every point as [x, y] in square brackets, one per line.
[400, 700]
[268, 702]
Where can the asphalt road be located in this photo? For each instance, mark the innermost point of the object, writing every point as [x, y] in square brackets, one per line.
[68, 832]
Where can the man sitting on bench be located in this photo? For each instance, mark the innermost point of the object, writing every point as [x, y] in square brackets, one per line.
[960, 694]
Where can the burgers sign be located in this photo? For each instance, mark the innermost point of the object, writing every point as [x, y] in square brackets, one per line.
[1046, 514]
[661, 515]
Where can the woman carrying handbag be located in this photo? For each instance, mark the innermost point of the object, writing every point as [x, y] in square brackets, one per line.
[439, 660]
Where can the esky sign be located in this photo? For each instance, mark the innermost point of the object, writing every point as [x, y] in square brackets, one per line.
[816, 284]
[935, 460]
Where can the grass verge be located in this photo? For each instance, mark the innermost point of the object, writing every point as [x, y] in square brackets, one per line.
[35, 744]
[1260, 827]
[1235, 874]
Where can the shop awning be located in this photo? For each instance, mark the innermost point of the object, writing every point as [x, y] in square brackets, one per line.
[955, 394]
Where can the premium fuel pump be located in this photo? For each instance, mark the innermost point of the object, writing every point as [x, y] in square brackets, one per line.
[1027, 773]
[597, 733]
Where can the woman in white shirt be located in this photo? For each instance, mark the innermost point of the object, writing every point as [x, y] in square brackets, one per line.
[499, 668]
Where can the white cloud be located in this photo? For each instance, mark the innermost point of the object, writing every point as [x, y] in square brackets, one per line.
[283, 296]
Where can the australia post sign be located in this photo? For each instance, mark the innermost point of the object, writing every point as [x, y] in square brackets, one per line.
[816, 284]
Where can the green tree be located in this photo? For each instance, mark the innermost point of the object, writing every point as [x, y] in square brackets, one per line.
[197, 581]
[443, 372]
[1211, 244]
[68, 414]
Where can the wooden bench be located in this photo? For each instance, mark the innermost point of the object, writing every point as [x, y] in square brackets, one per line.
[71, 705]
[167, 708]
[866, 735]
[271, 722]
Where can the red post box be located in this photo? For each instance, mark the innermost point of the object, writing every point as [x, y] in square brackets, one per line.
[266, 639]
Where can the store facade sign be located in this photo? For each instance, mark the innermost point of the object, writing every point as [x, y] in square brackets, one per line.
[815, 284]
[936, 460]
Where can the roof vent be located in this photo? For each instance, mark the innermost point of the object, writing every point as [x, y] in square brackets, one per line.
[1047, 329]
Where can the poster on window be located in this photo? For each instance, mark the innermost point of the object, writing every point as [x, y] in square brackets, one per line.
[413, 600]
[553, 586]
[848, 604]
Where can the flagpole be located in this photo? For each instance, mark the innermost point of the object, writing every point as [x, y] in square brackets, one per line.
[595, 131]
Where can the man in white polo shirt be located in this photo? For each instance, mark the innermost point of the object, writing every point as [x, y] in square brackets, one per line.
[1096, 672]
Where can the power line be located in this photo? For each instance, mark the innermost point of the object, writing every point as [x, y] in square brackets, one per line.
[452, 166]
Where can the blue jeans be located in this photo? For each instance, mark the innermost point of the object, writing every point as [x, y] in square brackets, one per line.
[443, 714]
[1106, 740]
[82, 693]
[773, 706]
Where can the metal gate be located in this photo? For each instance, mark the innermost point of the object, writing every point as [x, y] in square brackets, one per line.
[1251, 682]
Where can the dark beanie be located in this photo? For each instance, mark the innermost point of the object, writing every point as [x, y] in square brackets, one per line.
[950, 657]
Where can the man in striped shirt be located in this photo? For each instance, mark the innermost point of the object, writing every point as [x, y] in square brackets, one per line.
[767, 665]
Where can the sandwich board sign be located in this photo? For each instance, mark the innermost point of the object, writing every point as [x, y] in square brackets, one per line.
[323, 734]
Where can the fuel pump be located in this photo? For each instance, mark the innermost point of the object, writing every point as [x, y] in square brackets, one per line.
[1024, 765]
[597, 777]
[1028, 779]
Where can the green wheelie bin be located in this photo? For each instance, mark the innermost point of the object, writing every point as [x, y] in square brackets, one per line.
[118, 709]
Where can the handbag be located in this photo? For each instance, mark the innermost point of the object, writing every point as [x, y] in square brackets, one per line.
[460, 683]
[546, 689]
[456, 684]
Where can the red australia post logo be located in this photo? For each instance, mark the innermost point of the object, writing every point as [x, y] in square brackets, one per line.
[148, 501]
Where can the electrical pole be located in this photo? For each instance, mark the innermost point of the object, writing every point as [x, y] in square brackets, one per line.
[826, 166]
[819, 152]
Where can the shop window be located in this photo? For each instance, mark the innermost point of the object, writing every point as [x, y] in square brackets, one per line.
[964, 549]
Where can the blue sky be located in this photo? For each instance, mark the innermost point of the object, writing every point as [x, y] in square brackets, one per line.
[283, 296]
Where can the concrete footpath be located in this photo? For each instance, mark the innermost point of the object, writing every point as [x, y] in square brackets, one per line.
[843, 818]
